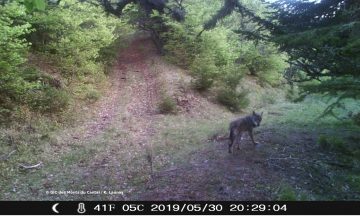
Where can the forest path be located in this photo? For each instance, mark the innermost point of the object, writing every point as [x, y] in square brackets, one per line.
[136, 96]
[124, 126]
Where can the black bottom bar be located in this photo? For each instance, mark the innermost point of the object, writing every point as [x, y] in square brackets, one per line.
[178, 208]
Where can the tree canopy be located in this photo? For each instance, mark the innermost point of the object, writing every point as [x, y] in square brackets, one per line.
[322, 39]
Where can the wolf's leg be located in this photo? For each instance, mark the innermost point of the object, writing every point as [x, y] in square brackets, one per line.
[239, 140]
[252, 137]
[232, 138]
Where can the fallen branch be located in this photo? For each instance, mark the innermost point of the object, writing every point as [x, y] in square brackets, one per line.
[6, 157]
[30, 166]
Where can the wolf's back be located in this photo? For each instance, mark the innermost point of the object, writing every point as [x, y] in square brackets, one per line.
[242, 123]
[237, 122]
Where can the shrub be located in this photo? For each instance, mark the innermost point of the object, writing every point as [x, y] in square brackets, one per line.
[181, 54]
[264, 61]
[167, 105]
[34, 75]
[204, 71]
[233, 100]
[78, 44]
[202, 82]
[48, 100]
[13, 51]
[87, 91]
[92, 95]
[231, 75]
[204, 55]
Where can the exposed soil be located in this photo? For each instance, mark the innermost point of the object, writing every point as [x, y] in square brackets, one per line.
[143, 93]
[240, 176]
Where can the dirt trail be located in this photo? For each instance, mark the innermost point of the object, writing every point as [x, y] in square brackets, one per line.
[120, 126]
[143, 94]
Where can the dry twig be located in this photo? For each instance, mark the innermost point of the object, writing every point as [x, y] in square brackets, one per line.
[30, 166]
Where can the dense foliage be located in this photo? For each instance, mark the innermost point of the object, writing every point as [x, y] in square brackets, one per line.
[13, 51]
[173, 8]
[74, 43]
[72, 38]
[80, 48]
[320, 37]
[218, 58]
[323, 42]
[218, 43]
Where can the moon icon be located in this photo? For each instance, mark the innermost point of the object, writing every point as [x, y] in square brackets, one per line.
[54, 208]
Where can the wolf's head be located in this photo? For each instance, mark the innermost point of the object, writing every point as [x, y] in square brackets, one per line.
[256, 118]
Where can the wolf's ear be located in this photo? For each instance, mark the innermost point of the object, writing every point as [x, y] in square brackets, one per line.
[261, 114]
[254, 113]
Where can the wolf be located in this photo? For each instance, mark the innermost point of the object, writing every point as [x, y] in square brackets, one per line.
[247, 123]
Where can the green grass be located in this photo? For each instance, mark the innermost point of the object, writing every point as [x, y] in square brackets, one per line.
[110, 160]
[180, 136]
[333, 144]
[307, 113]
[287, 193]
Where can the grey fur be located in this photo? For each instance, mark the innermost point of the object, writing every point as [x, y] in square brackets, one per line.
[238, 126]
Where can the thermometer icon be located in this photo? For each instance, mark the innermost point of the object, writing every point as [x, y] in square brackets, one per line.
[81, 208]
